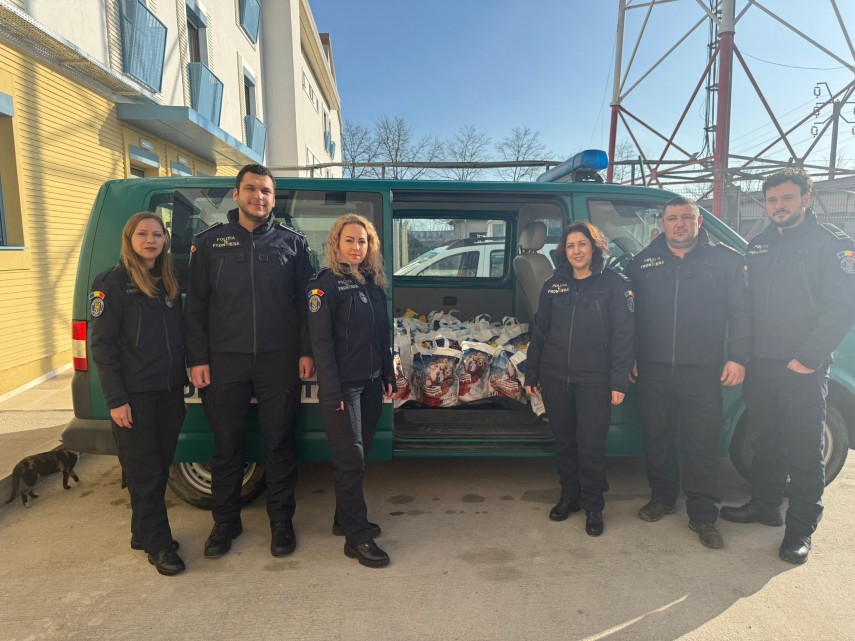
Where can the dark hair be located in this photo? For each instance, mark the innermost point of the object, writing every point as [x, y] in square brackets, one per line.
[598, 244]
[679, 201]
[259, 170]
[790, 175]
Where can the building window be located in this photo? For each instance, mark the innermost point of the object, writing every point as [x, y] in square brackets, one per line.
[143, 43]
[250, 18]
[249, 94]
[137, 172]
[309, 90]
[197, 24]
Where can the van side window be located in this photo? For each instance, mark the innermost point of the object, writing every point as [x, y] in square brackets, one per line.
[190, 210]
[450, 247]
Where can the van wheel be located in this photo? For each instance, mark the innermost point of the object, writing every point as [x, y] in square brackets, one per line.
[191, 482]
[834, 450]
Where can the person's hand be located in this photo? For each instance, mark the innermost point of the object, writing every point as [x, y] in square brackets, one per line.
[617, 397]
[732, 374]
[389, 392]
[340, 407]
[306, 367]
[532, 390]
[798, 368]
[122, 416]
[200, 376]
[633, 373]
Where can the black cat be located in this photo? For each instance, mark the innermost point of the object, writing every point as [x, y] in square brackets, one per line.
[30, 469]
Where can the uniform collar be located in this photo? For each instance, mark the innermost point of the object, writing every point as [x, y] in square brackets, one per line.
[262, 228]
[660, 245]
[774, 234]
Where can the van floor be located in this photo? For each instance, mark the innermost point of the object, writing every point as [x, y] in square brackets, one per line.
[488, 419]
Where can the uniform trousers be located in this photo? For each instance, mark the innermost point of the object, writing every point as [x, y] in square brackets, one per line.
[350, 433]
[579, 414]
[787, 412]
[146, 451]
[681, 413]
[271, 377]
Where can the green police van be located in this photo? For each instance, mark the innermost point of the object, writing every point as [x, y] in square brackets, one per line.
[498, 241]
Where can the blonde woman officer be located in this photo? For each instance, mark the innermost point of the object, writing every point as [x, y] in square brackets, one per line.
[350, 331]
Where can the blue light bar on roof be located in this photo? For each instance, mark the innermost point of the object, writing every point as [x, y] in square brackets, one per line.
[589, 160]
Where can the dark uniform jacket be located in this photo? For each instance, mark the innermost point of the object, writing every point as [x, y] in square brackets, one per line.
[802, 287]
[136, 340]
[583, 330]
[245, 291]
[685, 306]
[350, 333]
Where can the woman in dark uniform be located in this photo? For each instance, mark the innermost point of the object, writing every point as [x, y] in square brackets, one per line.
[580, 356]
[138, 347]
[350, 331]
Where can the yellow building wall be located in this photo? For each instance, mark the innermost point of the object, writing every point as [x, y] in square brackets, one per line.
[67, 142]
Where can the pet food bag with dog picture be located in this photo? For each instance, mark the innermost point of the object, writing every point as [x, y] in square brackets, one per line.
[473, 372]
[439, 376]
[503, 375]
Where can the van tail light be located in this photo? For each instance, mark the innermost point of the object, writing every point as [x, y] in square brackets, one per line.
[78, 346]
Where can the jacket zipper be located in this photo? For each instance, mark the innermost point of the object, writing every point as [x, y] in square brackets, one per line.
[807, 285]
[674, 326]
[766, 301]
[219, 269]
[371, 307]
[139, 325]
[168, 346]
[347, 326]
[570, 335]
[252, 289]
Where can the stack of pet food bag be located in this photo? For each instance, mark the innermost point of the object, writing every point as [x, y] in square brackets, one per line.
[441, 361]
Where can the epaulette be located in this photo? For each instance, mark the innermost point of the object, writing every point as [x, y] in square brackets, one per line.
[835, 231]
[207, 229]
[291, 229]
[320, 273]
[729, 248]
[616, 273]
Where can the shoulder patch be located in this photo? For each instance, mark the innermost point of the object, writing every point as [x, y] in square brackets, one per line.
[847, 261]
[96, 303]
[630, 300]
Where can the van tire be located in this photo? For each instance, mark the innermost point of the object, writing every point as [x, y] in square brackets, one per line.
[835, 450]
[191, 482]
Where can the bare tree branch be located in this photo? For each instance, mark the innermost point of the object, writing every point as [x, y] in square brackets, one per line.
[357, 146]
[467, 145]
[521, 144]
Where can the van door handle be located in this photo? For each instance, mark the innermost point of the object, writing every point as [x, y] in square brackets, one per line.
[449, 300]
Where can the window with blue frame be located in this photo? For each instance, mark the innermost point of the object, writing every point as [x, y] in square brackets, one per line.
[250, 18]
[143, 43]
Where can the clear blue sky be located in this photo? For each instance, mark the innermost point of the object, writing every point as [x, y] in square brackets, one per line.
[548, 64]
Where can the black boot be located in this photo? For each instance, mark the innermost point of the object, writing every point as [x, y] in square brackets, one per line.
[594, 523]
[368, 554]
[167, 562]
[220, 539]
[283, 540]
[337, 531]
[564, 508]
[794, 548]
[753, 512]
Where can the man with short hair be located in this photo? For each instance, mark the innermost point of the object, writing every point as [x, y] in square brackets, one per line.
[801, 280]
[689, 293]
[247, 334]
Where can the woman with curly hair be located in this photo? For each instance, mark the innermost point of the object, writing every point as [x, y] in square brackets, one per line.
[580, 356]
[350, 331]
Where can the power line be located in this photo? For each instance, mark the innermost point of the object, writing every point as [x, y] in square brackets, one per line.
[781, 64]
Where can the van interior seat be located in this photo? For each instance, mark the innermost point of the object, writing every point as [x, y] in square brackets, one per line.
[530, 266]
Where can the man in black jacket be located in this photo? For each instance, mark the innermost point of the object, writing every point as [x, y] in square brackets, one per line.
[801, 279]
[247, 335]
[689, 293]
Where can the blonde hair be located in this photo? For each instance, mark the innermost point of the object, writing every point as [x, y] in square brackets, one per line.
[134, 265]
[373, 263]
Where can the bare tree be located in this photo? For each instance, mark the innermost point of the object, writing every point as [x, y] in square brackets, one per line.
[467, 145]
[624, 150]
[357, 145]
[521, 144]
[393, 138]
